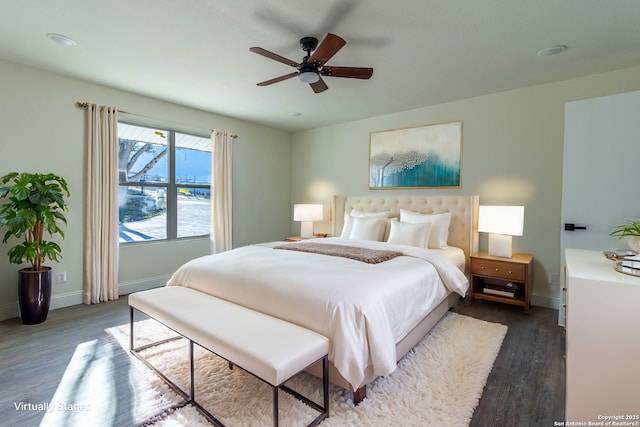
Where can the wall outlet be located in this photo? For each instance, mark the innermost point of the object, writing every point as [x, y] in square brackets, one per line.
[554, 279]
[62, 277]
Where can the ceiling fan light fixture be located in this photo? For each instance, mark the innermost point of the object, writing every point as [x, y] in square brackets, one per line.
[308, 77]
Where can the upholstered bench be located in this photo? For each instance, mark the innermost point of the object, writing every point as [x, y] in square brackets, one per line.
[269, 348]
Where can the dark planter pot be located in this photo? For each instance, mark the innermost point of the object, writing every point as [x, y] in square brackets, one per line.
[34, 295]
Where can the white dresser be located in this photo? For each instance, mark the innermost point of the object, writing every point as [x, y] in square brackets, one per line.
[603, 340]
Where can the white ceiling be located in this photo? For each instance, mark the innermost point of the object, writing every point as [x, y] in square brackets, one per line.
[424, 52]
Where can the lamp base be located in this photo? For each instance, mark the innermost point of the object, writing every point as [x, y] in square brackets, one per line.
[306, 229]
[500, 245]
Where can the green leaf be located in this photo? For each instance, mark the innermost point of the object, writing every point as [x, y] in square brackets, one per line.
[631, 227]
[23, 253]
[51, 250]
[32, 201]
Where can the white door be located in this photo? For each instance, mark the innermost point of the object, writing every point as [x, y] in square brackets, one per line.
[601, 173]
[601, 169]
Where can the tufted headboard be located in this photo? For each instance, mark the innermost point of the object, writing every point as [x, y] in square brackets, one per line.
[463, 230]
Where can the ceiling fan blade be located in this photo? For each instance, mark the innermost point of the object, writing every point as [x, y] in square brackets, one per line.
[329, 46]
[348, 72]
[319, 86]
[278, 79]
[274, 56]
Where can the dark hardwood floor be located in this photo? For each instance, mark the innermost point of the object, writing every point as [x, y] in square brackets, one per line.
[525, 388]
[527, 384]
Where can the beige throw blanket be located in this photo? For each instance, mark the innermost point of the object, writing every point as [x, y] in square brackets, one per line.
[370, 256]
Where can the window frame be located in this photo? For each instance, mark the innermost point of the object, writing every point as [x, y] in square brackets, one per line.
[171, 186]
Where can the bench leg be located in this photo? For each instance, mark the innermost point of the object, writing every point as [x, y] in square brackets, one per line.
[191, 371]
[275, 406]
[131, 328]
[325, 383]
[135, 351]
[324, 410]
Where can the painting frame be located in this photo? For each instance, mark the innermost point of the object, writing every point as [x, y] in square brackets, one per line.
[428, 156]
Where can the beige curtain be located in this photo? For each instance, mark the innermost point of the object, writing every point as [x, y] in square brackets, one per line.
[101, 205]
[221, 226]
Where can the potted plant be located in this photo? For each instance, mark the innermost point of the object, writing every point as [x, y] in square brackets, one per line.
[630, 228]
[32, 204]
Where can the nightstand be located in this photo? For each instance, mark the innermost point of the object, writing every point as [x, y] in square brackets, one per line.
[299, 239]
[487, 270]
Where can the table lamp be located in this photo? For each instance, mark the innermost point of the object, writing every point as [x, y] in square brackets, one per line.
[501, 222]
[307, 213]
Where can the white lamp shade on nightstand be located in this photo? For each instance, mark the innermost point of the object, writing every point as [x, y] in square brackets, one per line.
[501, 222]
[307, 214]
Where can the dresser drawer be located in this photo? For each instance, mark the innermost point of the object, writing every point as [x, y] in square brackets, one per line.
[499, 269]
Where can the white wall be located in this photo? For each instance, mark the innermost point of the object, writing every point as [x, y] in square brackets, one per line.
[512, 154]
[43, 131]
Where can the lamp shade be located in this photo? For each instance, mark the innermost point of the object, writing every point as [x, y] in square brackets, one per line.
[501, 222]
[307, 212]
[507, 220]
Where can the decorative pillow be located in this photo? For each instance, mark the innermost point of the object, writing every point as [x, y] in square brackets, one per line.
[348, 220]
[347, 226]
[368, 228]
[387, 228]
[405, 233]
[439, 228]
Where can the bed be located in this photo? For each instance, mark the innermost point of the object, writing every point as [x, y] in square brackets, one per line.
[373, 313]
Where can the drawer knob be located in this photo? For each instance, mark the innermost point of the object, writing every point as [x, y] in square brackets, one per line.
[483, 267]
[497, 269]
[510, 272]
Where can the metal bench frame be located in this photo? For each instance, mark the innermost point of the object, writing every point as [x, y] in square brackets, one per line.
[189, 397]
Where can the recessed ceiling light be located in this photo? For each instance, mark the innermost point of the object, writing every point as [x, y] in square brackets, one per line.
[295, 114]
[60, 39]
[553, 50]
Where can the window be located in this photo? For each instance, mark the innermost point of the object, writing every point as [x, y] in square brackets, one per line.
[164, 184]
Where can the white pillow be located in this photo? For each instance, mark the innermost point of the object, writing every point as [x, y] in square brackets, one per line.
[368, 228]
[387, 228]
[439, 228]
[347, 226]
[348, 220]
[405, 233]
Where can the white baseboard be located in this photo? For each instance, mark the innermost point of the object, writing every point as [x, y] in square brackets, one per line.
[9, 311]
[66, 300]
[545, 301]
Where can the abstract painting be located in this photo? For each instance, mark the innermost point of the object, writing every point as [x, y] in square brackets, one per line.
[425, 156]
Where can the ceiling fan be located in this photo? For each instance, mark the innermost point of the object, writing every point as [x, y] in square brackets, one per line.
[313, 67]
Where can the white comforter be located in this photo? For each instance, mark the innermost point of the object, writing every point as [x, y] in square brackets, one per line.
[365, 309]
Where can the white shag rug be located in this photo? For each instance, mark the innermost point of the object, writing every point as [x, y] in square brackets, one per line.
[438, 383]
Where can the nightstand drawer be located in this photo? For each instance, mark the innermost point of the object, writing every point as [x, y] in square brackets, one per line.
[501, 269]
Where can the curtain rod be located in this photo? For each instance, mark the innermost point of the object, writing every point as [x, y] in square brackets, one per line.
[82, 104]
